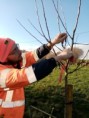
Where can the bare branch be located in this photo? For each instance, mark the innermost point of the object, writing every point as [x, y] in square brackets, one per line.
[40, 22]
[77, 18]
[58, 18]
[45, 20]
[78, 66]
[61, 19]
[76, 23]
[36, 29]
[63, 15]
[28, 31]
[82, 43]
[59, 22]
[47, 26]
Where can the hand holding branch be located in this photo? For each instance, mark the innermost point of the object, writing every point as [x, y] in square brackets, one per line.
[59, 38]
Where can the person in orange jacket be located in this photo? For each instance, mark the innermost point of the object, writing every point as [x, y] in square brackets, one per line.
[18, 70]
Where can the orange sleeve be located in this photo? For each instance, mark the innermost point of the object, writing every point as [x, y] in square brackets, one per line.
[30, 59]
[20, 78]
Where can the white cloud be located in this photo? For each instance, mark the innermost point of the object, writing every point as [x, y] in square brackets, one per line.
[85, 49]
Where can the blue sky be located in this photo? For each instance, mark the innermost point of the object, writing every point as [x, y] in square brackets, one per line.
[10, 10]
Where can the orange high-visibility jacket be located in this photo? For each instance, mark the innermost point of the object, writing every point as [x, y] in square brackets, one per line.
[12, 83]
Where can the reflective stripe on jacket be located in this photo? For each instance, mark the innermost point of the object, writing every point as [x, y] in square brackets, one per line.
[12, 83]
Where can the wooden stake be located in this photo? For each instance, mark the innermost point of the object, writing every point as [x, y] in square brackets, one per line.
[68, 101]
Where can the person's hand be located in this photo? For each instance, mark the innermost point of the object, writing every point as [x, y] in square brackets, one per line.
[64, 55]
[59, 38]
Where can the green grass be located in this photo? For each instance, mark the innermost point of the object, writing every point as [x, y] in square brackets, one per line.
[49, 93]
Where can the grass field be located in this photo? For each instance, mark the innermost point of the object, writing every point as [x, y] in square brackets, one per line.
[48, 94]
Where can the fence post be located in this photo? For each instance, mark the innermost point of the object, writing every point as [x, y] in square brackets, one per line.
[68, 101]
